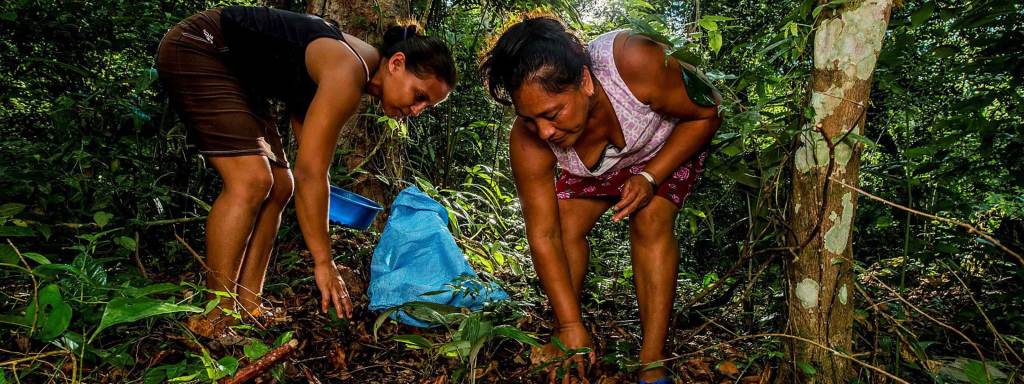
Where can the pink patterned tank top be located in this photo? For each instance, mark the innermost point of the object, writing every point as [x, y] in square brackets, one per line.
[645, 130]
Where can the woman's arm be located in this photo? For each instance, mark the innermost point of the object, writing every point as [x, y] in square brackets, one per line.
[657, 80]
[533, 167]
[335, 101]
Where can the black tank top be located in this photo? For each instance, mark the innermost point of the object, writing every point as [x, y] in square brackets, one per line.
[267, 51]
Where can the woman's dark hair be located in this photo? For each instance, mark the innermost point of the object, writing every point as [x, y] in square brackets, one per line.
[537, 48]
[424, 55]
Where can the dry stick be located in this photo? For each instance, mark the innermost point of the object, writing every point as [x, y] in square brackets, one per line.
[991, 326]
[144, 224]
[207, 268]
[35, 288]
[37, 356]
[929, 317]
[968, 227]
[310, 376]
[262, 364]
[138, 260]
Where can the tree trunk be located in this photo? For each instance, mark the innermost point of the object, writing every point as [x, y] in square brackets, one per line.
[819, 276]
[373, 154]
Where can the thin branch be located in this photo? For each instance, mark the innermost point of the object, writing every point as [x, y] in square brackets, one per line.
[968, 227]
[35, 288]
[988, 322]
[798, 338]
[37, 356]
[929, 317]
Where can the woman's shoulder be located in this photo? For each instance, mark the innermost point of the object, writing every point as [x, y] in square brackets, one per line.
[639, 61]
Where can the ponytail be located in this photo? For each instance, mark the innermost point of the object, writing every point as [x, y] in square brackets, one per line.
[424, 55]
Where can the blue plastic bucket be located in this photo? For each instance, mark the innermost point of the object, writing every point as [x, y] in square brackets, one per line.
[351, 210]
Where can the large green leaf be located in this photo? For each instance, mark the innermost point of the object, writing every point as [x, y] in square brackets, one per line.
[11, 209]
[255, 350]
[54, 315]
[126, 310]
[699, 90]
[921, 15]
[517, 334]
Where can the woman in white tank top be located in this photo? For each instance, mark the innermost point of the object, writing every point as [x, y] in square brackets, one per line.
[616, 120]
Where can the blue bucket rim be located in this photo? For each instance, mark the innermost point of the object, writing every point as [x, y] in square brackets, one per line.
[355, 198]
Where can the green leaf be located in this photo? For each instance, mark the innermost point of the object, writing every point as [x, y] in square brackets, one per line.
[686, 56]
[8, 255]
[126, 243]
[152, 289]
[228, 365]
[921, 15]
[15, 231]
[414, 341]
[807, 368]
[54, 315]
[517, 334]
[102, 218]
[126, 310]
[829, 5]
[283, 338]
[866, 141]
[975, 372]
[707, 24]
[255, 350]
[715, 40]
[700, 91]
[11, 209]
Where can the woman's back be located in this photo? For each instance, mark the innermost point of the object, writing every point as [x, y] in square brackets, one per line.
[266, 48]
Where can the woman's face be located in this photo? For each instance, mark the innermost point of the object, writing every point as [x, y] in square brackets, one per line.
[557, 118]
[404, 94]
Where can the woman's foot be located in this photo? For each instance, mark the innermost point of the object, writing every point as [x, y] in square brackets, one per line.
[571, 337]
[655, 373]
[266, 315]
[215, 326]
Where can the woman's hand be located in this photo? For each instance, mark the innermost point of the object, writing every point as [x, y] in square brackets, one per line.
[332, 289]
[636, 193]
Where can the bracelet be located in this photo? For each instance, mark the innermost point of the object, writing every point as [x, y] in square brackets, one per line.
[650, 178]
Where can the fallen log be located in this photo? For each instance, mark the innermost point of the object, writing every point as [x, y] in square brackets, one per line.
[262, 364]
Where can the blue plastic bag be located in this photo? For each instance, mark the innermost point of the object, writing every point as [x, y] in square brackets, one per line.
[417, 258]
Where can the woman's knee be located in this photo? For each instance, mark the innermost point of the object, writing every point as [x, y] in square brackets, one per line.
[283, 188]
[252, 187]
[654, 222]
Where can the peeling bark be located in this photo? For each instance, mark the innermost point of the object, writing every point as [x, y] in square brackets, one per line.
[846, 47]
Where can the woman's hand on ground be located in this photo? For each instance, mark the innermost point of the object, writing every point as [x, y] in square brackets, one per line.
[636, 193]
[573, 336]
[332, 289]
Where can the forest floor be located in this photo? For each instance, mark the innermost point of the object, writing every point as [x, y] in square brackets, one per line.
[332, 350]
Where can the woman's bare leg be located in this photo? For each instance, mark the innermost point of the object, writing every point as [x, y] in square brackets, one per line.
[257, 254]
[655, 264]
[247, 182]
[578, 217]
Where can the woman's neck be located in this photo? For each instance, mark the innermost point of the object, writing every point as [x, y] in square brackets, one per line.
[374, 86]
[602, 122]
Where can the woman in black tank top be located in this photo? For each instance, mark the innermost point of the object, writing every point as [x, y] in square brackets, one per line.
[220, 67]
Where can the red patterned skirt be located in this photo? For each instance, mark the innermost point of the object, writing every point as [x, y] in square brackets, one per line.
[609, 185]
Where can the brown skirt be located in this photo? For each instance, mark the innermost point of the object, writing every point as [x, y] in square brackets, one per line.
[221, 117]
